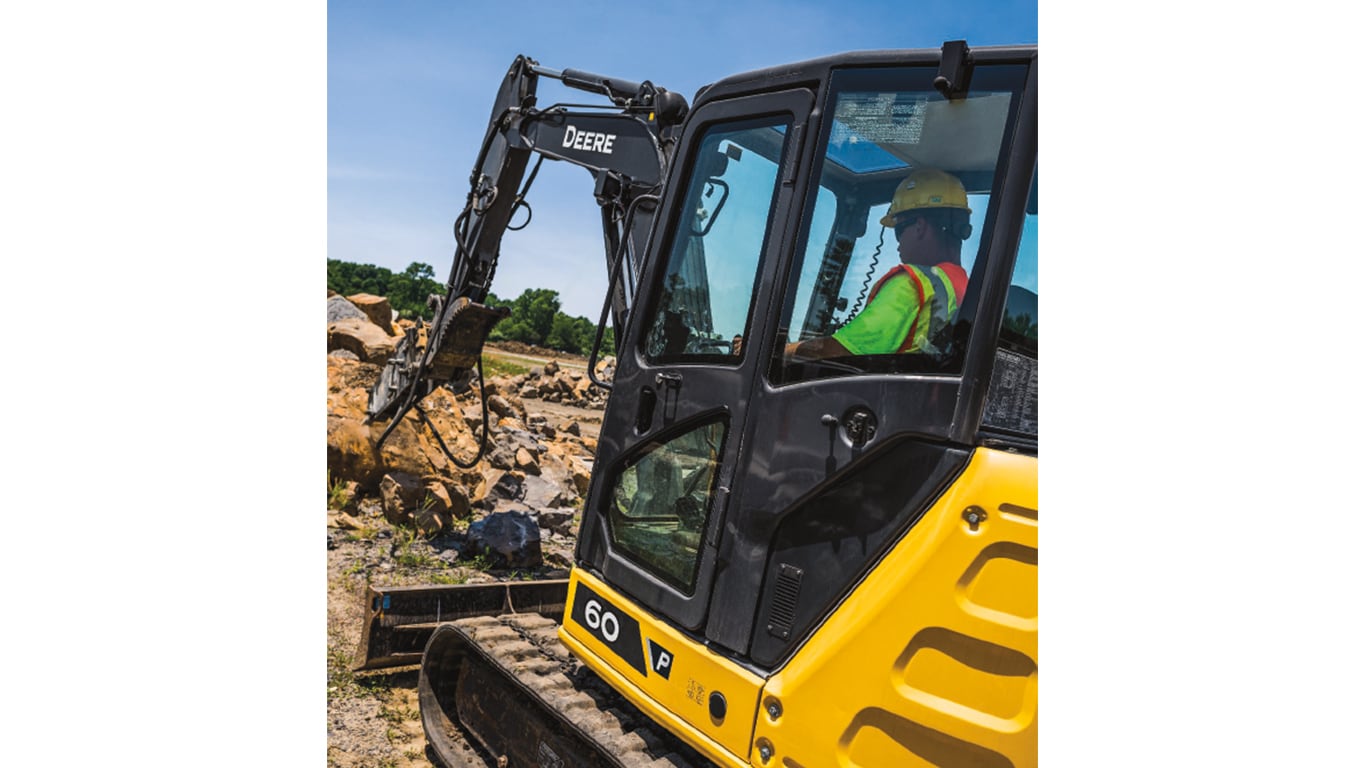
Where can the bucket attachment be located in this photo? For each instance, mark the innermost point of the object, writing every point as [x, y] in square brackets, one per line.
[446, 354]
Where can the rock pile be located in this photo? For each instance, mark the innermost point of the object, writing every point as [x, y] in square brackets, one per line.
[553, 384]
[521, 498]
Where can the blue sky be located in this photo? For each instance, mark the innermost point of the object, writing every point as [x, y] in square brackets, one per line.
[410, 86]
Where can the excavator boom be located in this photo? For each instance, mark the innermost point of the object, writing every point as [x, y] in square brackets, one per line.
[626, 151]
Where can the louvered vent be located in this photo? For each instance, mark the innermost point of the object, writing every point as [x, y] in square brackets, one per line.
[784, 608]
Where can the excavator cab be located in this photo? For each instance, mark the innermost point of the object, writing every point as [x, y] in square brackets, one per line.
[743, 505]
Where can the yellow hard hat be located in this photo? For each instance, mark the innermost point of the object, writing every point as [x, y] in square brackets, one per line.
[926, 188]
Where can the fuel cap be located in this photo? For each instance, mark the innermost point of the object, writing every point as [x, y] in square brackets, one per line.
[717, 704]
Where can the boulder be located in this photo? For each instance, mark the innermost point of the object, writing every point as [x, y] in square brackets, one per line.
[560, 521]
[410, 448]
[508, 485]
[368, 341]
[541, 494]
[511, 538]
[526, 461]
[457, 496]
[401, 493]
[500, 405]
[430, 521]
[377, 309]
[502, 457]
[339, 308]
[427, 503]
[605, 369]
[581, 473]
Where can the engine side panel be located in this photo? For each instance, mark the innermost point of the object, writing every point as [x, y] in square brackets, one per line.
[933, 659]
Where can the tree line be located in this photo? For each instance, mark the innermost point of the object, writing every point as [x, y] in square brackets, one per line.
[536, 317]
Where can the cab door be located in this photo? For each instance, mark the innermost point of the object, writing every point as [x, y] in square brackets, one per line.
[666, 457]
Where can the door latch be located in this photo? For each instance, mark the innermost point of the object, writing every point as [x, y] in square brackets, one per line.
[859, 425]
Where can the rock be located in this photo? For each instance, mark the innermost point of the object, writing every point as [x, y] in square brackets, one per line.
[551, 368]
[410, 448]
[540, 493]
[433, 514]
[508, 486]
[500, 405]
[431, 520]
[515, 438]
[457, 497]
[512, 537]
[560, 521]
[376, 309]
[344, 521]
[339, 308]
[474, 418]
[502, 457]
[401, 493]
[362, 337]
[582, 475]
[526, 461]
[605, 369]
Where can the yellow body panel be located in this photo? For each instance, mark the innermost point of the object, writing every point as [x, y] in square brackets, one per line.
[695, 673]
[933, 660]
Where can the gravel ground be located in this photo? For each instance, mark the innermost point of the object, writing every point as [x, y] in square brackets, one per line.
[372, 717]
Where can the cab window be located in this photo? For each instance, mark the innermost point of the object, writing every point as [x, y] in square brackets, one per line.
[661, 499]
[701, 310]
[894, 225]
[1013, 396]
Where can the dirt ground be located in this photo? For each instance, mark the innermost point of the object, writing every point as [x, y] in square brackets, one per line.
[372, 717]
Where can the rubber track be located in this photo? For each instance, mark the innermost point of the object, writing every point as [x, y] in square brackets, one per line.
[525, 646]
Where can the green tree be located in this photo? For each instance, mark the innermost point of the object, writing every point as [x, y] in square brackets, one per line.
[533, 316]
[565, 334]
[409, 290]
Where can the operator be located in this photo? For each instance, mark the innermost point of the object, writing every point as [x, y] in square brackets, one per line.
[918, 297]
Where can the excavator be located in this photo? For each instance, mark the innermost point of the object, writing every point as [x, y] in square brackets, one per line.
[783, 560]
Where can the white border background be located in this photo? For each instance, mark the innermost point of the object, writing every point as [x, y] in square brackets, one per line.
[164, 232]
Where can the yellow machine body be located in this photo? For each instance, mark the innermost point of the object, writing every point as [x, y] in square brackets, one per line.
[932, 660]
[681, 702]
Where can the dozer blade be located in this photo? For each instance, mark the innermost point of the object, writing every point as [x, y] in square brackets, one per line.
[399, 620]
[508, 686]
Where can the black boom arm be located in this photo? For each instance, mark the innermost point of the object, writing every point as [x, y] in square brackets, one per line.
[626, 149]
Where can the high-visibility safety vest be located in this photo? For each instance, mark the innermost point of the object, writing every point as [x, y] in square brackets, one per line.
[940, 289]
